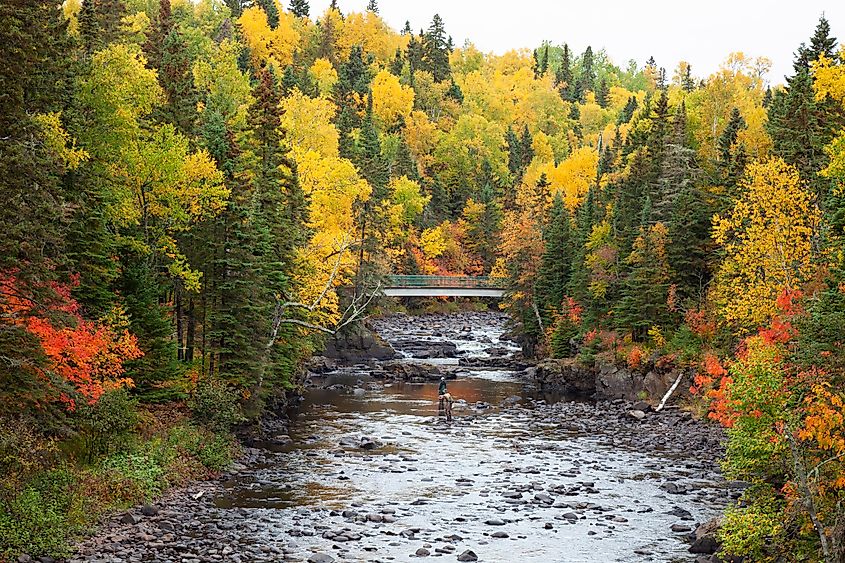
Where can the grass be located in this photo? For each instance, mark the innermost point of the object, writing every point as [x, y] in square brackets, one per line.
[45, 508]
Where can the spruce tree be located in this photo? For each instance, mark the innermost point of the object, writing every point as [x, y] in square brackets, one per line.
[300, 8]
[272, 11]
[801, 126]
[435, 50]
[158, 33]
[555, 268]
[563, 74]
[602, 93]
[414, 54]
[372, 6]
[32, 75]
[397, 64]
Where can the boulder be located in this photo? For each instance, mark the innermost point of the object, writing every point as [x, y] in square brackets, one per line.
[566, 375]
[468, 555]
[704, 538]
[358, 343]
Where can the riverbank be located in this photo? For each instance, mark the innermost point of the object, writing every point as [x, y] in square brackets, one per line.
[371, 473]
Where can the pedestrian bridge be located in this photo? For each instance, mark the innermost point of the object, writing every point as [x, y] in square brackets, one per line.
[443, 286]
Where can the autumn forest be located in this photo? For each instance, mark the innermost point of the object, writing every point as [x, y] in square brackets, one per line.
[194, 195]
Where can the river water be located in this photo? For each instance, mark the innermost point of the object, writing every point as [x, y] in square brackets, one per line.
[517, 476]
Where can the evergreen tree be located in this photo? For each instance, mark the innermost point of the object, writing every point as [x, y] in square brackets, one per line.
[801, 126]
[645, 291]
[687, 82]
[628, 111]
[563, 74]
[177, 79]
[555, 269]
[397, 64]
[32, 246]
[158, 33]
[272, 11]
[455, 92]
[372, 6]
[415, 54]
[300, 8]
[587, 76]
[435, 50]
[89, 26]
[405, 164]
[602, 93]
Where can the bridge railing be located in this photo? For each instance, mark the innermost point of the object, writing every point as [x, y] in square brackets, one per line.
[452, 282]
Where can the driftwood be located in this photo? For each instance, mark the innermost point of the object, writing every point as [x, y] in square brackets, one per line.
[669, 392]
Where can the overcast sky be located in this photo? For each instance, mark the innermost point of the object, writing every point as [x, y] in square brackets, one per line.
[702, 32]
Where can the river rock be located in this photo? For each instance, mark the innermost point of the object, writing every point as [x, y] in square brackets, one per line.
[358, 343]
[321, 558]
[468, 555]
[704, 538]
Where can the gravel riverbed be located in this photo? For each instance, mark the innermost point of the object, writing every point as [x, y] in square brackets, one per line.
[372, 473]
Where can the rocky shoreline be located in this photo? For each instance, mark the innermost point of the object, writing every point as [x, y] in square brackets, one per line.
[566, 464]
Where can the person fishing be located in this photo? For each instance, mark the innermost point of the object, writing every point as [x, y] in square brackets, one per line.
[445, 399]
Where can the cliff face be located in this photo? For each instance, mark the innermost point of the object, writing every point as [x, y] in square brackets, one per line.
[604, 381]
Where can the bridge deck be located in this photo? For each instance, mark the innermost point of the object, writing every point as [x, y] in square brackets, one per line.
[443, 286]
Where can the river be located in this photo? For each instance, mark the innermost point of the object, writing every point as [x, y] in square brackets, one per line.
[373, 473]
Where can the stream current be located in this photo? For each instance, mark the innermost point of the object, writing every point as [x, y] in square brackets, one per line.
[373, 473]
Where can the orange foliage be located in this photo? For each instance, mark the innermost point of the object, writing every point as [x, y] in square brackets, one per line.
[635, 357]
[88, 355]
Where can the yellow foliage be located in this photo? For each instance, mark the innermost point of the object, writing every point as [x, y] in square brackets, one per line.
[226, 88]
[407, 197]
[422, 136]
[767, 239]
[391, 100]
[325, 76]
[433, 240]
[738, 84]
[574, 176]
[59, 141]
[270, 46]
[308, 123]
[372, 33]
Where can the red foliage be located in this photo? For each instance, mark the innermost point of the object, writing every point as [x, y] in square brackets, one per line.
[88, 355]
[699, 324]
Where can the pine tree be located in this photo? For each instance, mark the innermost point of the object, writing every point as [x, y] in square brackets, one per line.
[435, 50]
[372, 6]
[300, 8]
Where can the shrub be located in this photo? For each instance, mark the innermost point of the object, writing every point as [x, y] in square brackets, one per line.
[215, 404]
[40, 517]
[142, 470]
[106, 425]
